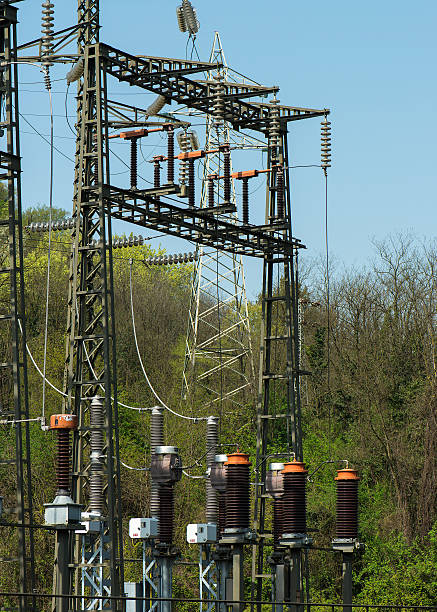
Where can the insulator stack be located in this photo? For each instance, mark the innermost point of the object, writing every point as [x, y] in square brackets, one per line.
[97, 421]
[275, 488]
[184, 145]
[280, 192]
[237, 492]
[211, 178]
[63, 460]
[221, 525]
[56, 226]
[170, 154]
[157, 173]
[164, 260]
[63, 424]
[278, 519]
[166, 470]
[156, 106]
[156, 428]
[211, 449]
[294, 498]
[325, 136]
[121, 243]
[274, 133]
[191, 184]
[218, 478]
[194, 140]
[226, 174]
[133, 163]
[190, 17]
[181, 19]
[245, 200]
[47, 32]
[347, 503]
[156, 439]
[76, 72]
[166, 514]
[218, 106]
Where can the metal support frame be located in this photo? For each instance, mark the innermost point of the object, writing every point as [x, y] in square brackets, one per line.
[279, 370]
[90, 363]
[208, 579]
[346, 575]
[90, 349]
[150, 580]
[14, 406]
[218, 349]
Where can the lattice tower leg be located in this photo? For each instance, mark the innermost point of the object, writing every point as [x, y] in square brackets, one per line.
[91, 363]
[218, 368]
[278, 385]
[14, 407]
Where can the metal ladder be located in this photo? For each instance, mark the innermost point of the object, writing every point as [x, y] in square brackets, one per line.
[278, 379]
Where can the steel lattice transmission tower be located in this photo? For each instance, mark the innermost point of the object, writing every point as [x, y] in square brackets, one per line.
[15, 457]
[218, 367]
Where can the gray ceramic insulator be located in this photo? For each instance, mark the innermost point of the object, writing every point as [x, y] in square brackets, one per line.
[211, 447]
[156, 439]
[97, 421]
[76, 72]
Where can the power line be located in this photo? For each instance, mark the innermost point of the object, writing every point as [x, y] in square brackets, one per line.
[182, 416]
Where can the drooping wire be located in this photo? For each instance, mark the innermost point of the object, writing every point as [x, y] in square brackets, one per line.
[46, 321]
[325, 158]
[66, 112]
[328, 318]
[45, 139]
[38, 369]
[129, 467]
[163, 404]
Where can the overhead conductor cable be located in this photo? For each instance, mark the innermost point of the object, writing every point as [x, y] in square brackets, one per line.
[163, 404]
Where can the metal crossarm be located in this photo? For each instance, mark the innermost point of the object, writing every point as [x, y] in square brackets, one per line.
[193, 224]
[165, 80]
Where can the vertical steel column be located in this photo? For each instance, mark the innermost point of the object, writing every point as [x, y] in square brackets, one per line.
[346, 575]
[91, 362]
[15, 408]
[279, 351]
[88, 34]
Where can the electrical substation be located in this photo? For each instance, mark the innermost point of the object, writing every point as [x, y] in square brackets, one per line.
[246, 559]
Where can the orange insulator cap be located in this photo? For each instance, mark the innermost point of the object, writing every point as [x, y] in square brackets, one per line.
[63, 421]
[347, 474]
[238, 459]
[294, 467]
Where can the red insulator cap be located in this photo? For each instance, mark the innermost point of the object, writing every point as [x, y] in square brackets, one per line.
[347, 474]
[63, 421]
[238, 459]
[294, 467]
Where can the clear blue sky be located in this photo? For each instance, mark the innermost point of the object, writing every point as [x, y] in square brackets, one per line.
[372, 63]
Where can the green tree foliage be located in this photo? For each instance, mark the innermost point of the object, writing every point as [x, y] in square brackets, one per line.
[378, 409]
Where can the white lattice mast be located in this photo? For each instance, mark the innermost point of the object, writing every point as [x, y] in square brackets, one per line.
[218, 368]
